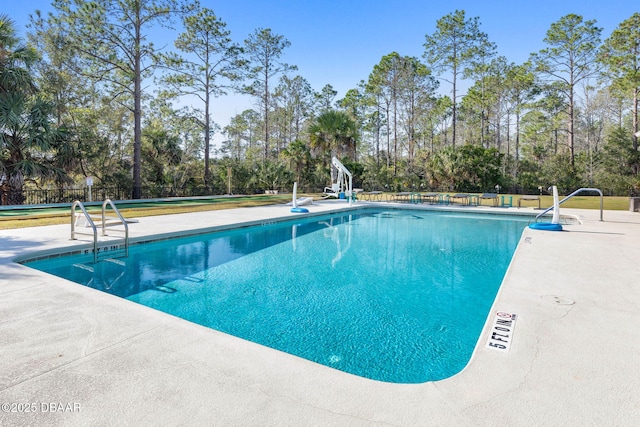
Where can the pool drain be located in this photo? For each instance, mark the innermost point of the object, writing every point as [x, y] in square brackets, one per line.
[556, 299]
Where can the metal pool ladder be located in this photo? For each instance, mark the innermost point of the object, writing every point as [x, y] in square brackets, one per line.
[104, 222]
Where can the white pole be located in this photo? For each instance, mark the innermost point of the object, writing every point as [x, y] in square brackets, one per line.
[556, 206]
[294, 202]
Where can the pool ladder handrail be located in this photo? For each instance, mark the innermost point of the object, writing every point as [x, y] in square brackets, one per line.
[580, 190]
[79, 204]
[94, 228]
[122, 220]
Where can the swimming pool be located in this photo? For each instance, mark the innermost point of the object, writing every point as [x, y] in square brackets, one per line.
[394, 295]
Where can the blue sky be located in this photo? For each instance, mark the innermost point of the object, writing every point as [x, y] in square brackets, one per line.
[338, 42]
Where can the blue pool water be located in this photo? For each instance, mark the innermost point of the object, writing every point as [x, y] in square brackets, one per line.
[397, 296]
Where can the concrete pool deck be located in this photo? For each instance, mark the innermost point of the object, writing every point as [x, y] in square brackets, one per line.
[71, 355]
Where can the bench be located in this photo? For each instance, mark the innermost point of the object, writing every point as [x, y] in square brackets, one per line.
[461, 198]
[432, 198]
[402, 197]
[527, 198]
[373, 196]
[490, 196]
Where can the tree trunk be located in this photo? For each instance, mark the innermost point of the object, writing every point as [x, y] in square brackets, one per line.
[571, 128]
[395, 134]
[137, 119]
[207, 130]
[453, 116]
[12, 188]
[634, 116]
[266, 116]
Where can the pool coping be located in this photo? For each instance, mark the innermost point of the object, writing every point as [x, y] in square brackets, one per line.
[82, 245]
[120, 361]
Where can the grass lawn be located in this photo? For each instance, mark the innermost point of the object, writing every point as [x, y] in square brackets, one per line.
[581, 202]
[589, 202]
[51, 216]
[19, 218]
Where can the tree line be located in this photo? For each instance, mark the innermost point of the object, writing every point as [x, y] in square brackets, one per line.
[88, 93]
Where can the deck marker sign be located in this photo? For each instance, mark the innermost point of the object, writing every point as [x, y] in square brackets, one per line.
[501, 331]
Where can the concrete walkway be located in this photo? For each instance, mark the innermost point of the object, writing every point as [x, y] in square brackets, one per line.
[71, 355]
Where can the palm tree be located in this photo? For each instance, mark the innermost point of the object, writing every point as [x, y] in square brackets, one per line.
[27, 140]
[14, 61]
[334, 133]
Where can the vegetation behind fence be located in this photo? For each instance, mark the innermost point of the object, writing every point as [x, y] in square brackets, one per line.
[69, 195]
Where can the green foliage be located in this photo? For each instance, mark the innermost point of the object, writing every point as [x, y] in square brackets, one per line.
[466, 168]
[529, 176]
[619, 55]
[233, 173]
[403, 90]
[294, 99]
[109, 40]
[242, 132]
[534, 124]
[300, 162]
[215, 67]
[272, 175]
[456, 45]
[356, 169]
[569, 60]
[262, 51]
[334, 133]
[559, 170]
[161, 152]
[375, 175]
[618, 161]
[31, 147]
[325, 98]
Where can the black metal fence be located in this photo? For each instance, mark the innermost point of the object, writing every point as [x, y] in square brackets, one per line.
[69, 195]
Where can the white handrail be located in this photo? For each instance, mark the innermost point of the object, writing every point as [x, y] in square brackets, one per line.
[93, 226]
[573, 194]
[124, 223]
[79, 204]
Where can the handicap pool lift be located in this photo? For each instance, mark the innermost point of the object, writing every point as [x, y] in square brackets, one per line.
[343, 187]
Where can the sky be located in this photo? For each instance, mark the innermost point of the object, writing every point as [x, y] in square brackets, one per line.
[338, 42]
